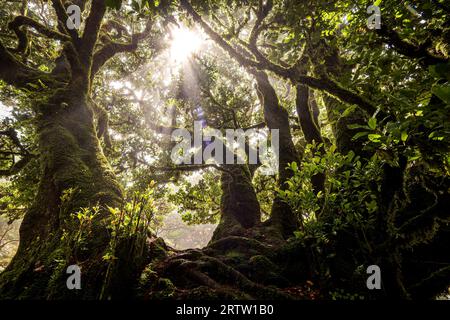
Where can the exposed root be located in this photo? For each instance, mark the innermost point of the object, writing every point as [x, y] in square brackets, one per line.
[230, 268]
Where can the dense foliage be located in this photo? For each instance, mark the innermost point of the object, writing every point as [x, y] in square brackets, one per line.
[363, 117]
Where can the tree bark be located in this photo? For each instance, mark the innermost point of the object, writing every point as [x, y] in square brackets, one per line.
[74, 171]
[239, 206]
[282, 216]
[308, 118]
[71, 159]
[335, 108]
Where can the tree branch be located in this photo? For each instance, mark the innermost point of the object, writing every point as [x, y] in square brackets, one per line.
[16, 167]
[262, 13]
[26, 156]
[12, 135]
[291, 73]
[92, 29]
[17, 74]
[20, 21]
[407, 49]
[62, 19]
[216, 37]
[110, 49]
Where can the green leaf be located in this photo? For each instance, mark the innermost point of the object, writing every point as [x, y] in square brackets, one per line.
[348, 111]
[372, 123]
[374, 137]
[359, 135]
[357, 126]
[404, 136]
[294, 166]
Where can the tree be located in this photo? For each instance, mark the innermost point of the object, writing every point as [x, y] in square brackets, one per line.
[363, 162]
[70, 155]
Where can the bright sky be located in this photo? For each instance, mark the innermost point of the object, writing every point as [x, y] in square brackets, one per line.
[184, 43]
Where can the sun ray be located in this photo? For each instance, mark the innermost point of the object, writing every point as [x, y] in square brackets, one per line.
[184, 43]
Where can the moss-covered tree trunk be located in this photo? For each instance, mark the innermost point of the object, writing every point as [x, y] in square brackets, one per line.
[239, 206]
[335, 108]
[75, 175]
[282, 217]
[308, 118]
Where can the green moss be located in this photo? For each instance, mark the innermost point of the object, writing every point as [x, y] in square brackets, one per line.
[164, 288]
[234, 254]
[71, 158]
[157, 250]
[262, 262]
[151, 286]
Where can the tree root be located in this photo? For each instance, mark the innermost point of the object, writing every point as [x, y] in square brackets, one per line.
[225, 268]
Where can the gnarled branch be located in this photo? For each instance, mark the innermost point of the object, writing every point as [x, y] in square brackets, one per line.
[17, 74]
[92, 29]
[20, 21]
[392, 38]
[112, 48]
[62, 19]
[26, 156]
[16, 167]
[290, 73]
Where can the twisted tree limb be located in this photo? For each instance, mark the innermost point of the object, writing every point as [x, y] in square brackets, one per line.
[290, 73]
[420, 52]
[112, 48]
[25, 155]
[20, 21]
[16, 73]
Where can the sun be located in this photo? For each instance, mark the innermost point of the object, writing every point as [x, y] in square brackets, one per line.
[184, 43]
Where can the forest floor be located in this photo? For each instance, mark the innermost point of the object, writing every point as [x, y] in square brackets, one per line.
[235, 267]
